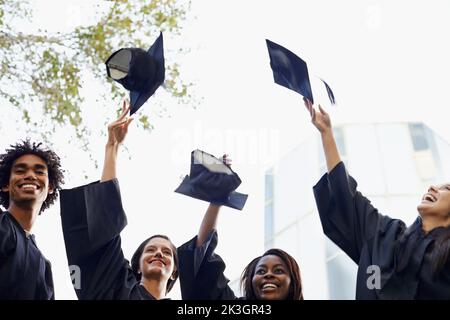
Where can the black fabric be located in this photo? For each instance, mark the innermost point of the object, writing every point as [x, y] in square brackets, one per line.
[289, 70]
[211, 186]
[202, 271]
[142, 71]
[370, 238]
[92, 218]
[25, 274]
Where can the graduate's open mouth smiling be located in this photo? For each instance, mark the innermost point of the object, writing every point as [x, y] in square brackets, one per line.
[429, 197]
[157, 261]
[268, 286]
[29, 186]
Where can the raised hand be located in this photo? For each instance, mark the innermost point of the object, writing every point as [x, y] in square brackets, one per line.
[118, 129]
[321, 120]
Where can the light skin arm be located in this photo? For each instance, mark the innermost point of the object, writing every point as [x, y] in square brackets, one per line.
[117, 132]
[321, 120]
[209, 221]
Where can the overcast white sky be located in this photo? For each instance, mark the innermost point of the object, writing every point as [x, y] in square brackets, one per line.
[385, 61]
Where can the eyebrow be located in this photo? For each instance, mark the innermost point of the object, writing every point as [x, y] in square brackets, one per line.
[275, 266]
[153, 246]
[24, 165]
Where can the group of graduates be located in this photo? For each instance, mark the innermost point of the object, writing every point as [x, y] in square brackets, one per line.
[413, 261]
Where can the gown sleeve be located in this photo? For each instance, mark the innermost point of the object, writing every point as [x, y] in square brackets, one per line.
[92, 218]
[347, 217]
[202, 271]
[8, 238]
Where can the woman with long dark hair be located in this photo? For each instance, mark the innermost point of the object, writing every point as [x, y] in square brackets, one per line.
[394, 261]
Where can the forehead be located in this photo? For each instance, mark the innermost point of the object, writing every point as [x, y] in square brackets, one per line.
[159, 242]
[270, 260]
[29, 160]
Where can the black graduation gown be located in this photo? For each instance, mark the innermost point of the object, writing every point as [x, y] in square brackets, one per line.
[201, 271]
[92, 218]
[369, 238]
[25, 274]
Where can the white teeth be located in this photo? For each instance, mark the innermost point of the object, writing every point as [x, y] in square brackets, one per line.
[29, 186]
[269, 285]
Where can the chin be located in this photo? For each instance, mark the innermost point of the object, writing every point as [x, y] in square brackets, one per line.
[423, 208]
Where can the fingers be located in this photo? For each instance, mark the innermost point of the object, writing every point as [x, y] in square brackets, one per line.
[125, 127]
[226, 159]
[125, 110]
[322, 111]
[308, 105]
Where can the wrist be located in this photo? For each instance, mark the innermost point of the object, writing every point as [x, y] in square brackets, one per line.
[327, 133]
[112, 146]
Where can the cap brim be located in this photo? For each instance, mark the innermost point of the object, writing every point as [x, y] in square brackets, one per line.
[137, 99]
[235, 200]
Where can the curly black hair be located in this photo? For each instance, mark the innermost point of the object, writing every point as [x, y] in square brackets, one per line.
[51, 159]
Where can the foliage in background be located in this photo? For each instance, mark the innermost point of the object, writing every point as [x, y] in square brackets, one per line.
[47, 70]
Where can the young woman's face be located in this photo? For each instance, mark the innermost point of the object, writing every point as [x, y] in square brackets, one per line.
[271, 280]
[157, 259]
[436, 202]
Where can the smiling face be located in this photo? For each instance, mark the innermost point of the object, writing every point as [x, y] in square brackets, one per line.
[28, 182]
[271, 280]
[157, 260]
[436, 202]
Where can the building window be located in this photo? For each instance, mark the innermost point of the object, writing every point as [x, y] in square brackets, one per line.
[268, 209]
[424, 159]
[418, 136]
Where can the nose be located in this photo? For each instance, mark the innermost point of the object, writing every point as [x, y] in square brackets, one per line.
[432, 188]
[158, 253]
[268, 275]
[30, 175]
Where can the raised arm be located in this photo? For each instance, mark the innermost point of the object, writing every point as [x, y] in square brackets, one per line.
[322, 122]
[92, 218]
[201, 269]
[208, 223]
[348, 218]
[117, 132]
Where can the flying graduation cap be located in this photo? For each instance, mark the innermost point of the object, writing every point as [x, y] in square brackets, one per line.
[139, 71]
[212, 180]
[290, 71]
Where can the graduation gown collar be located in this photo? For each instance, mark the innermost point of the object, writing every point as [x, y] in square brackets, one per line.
[19, 226]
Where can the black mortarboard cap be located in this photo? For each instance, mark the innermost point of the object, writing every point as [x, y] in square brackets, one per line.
[139, 71]
[213, 181]
[291, 71]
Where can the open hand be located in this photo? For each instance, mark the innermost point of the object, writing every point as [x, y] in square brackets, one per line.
[321, 120]
[118, 129]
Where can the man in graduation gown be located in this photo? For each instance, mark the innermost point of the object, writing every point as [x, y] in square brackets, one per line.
[394, 261]
[29, 178]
